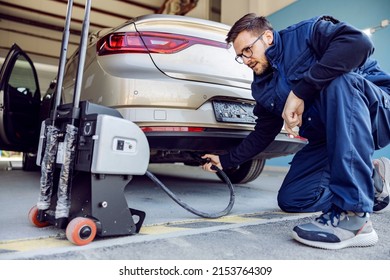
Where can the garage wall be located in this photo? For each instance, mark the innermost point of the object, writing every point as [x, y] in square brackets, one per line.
[361, 13]
[231, 11]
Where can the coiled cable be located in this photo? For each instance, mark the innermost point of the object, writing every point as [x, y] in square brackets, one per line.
[191, 209]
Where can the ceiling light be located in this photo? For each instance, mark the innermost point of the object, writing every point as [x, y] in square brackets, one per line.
[372, 30]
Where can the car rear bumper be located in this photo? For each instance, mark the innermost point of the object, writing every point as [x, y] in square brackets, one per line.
[215, 142]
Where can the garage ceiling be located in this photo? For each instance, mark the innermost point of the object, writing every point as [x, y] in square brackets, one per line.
[37, 25]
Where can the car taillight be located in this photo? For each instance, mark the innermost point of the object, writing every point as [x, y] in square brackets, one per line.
[149, 42]
[171, 129]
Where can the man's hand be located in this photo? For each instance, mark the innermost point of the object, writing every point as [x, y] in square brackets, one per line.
[214, 160]
[292, 113]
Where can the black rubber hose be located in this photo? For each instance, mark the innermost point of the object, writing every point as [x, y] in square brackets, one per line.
[192, 210]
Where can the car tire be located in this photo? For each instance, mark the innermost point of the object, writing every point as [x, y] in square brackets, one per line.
[29, 162]
[246, 172]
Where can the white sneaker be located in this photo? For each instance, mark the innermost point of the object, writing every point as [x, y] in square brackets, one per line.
[337, 229]
[381, 184]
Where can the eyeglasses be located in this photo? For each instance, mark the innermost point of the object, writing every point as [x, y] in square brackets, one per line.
[247, 52]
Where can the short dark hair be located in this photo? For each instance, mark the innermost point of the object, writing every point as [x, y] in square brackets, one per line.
[250, 22]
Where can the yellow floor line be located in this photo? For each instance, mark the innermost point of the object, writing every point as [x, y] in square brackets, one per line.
[33, 244]
[52, 242]
[233, 219]
[159, 229]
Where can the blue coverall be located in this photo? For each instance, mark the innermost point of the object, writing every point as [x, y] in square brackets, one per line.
[347, 114]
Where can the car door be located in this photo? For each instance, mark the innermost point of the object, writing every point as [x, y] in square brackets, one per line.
[20, 100]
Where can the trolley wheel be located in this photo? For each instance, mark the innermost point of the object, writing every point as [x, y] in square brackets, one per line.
[33, 217]
[81, 231]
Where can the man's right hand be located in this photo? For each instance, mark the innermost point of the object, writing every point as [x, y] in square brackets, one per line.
[292, 113]
[213, 160]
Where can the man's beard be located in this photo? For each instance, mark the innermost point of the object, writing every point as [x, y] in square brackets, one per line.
[263, 69]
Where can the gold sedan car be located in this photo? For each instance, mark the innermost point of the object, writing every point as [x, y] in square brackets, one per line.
[177, 79]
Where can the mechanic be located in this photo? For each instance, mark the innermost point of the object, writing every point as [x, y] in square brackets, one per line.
[318, 75]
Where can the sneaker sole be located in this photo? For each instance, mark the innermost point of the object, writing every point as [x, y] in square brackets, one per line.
[383, 170]
[360, 240]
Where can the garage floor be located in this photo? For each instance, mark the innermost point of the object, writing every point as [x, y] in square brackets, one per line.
[254, 229]
[19, 191]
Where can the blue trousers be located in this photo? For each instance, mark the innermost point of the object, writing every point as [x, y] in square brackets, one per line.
[345, 124]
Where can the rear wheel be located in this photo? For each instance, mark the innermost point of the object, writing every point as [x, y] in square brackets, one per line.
[81, 231]
[33, 217]
[246, 172]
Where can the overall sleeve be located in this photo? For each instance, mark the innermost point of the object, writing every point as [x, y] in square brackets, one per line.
[340, 48]
[266, 128]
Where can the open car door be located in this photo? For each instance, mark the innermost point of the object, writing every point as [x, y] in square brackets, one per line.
[20, 101]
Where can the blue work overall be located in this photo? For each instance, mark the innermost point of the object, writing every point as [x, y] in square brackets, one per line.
[345, 124]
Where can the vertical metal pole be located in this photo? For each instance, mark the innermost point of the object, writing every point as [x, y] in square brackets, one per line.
[70, 141]
[51, 132]
[82, 54]
[61, 66]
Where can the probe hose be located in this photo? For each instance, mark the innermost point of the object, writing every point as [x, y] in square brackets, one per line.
[191, 209]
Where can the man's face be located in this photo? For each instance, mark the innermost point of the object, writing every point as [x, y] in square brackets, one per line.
[252, 48]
